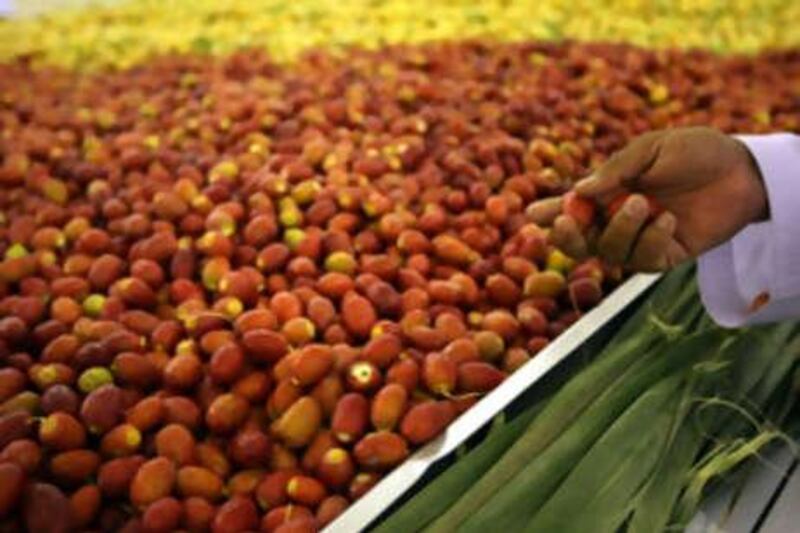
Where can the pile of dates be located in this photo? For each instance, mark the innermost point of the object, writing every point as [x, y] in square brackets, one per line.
[235, 294]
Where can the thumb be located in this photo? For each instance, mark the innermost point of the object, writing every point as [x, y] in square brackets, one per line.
[622, 168]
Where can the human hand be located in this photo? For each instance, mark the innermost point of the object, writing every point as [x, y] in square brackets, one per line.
[706, 182]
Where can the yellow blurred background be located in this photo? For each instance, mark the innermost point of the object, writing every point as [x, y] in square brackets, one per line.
[89, 33]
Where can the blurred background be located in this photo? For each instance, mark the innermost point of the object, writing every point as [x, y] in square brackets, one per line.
[35, 7]
[122, 32]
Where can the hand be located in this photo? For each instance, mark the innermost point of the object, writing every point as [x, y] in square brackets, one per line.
[707, 183]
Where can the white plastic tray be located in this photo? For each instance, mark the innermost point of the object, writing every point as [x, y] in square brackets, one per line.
[363, 512]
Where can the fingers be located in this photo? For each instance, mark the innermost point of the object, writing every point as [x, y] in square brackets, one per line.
[596, 185]
[622, 168]
[565, 232]
[617, 241]
[650, 252]
[567, 236]
[544, 212]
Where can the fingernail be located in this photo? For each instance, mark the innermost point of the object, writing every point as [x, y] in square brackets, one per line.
[636, 206]
[666, 222]
[585, 182]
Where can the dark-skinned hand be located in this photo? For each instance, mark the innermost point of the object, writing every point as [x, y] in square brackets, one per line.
[707, 183]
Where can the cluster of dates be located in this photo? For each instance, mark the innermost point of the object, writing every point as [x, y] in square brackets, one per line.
[233, 294]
